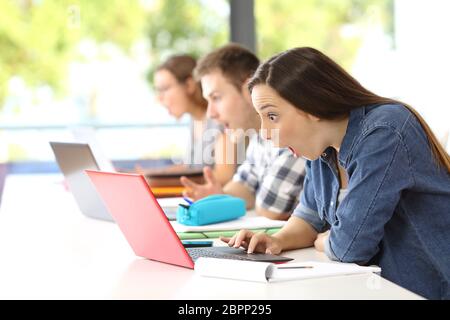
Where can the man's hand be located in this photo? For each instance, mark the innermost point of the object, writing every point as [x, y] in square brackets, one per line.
[197, 191]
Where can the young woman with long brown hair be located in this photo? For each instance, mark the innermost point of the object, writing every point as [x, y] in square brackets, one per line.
[377, 185]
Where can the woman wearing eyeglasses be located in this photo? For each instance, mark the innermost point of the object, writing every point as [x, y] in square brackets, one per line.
[181, 94]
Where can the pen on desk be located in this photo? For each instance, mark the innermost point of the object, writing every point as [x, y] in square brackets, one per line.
[187, 200]
[295, 267]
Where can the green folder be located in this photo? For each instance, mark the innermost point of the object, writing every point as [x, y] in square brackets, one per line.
[190, 235]
[217, 234]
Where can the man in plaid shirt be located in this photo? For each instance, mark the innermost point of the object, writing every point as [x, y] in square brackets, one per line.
[269, 180]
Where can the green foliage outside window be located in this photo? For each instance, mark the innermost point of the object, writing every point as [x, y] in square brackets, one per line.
[38, 38]
[319, 23]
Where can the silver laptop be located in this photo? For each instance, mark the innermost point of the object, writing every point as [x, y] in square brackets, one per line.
[73, 159]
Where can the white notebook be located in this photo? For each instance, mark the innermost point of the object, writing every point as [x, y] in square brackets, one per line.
[269, 272]
[171, 202]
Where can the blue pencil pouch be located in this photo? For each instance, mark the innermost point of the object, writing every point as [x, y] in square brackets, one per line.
[211, 209]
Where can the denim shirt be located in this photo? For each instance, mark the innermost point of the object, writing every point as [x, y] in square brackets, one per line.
[397, 210]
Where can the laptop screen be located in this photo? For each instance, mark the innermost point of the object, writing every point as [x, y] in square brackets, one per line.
[140, 217]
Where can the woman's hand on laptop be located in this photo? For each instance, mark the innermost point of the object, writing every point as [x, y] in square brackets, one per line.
[197, 191]
[254, 242]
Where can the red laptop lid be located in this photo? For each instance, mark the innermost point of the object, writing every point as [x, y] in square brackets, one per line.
[134, 208]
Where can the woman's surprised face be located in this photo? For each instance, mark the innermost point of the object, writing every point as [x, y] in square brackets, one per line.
[285, 125]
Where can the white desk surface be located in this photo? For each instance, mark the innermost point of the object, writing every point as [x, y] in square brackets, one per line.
[49, 250]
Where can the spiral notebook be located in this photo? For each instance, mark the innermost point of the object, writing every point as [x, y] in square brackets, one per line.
[270, 272]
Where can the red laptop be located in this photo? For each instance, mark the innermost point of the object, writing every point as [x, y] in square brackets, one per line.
[133, 206]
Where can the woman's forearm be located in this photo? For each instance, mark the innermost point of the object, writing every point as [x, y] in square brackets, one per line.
[296, 234]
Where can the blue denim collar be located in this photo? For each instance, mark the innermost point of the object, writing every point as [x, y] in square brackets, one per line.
[353, 129]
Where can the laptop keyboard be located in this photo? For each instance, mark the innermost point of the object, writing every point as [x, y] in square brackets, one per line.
[196, 253]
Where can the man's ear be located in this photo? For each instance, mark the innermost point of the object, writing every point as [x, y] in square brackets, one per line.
[191, 85]
[244, 87]
[245, 92]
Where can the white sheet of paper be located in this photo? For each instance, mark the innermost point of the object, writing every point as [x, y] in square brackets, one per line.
[170, 202]
[315, 270]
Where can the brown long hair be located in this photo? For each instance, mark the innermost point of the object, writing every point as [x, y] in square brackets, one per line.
[316, 84]
[182, 67]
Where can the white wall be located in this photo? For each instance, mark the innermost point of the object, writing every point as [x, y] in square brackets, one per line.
[423, 49]
[417, 69]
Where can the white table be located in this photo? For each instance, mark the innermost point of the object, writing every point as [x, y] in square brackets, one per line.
[49, 250]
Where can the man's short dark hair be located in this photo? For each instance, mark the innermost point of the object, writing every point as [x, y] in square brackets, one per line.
[235, 62]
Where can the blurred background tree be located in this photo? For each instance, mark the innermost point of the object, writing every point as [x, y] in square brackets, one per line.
[39, 38]
[65, 62]
[333, 26]
[190, 27]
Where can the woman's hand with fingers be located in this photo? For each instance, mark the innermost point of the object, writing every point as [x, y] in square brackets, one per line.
[254, 242]
[240, 239]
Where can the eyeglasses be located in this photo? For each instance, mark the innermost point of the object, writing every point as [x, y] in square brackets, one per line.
[164, 89]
